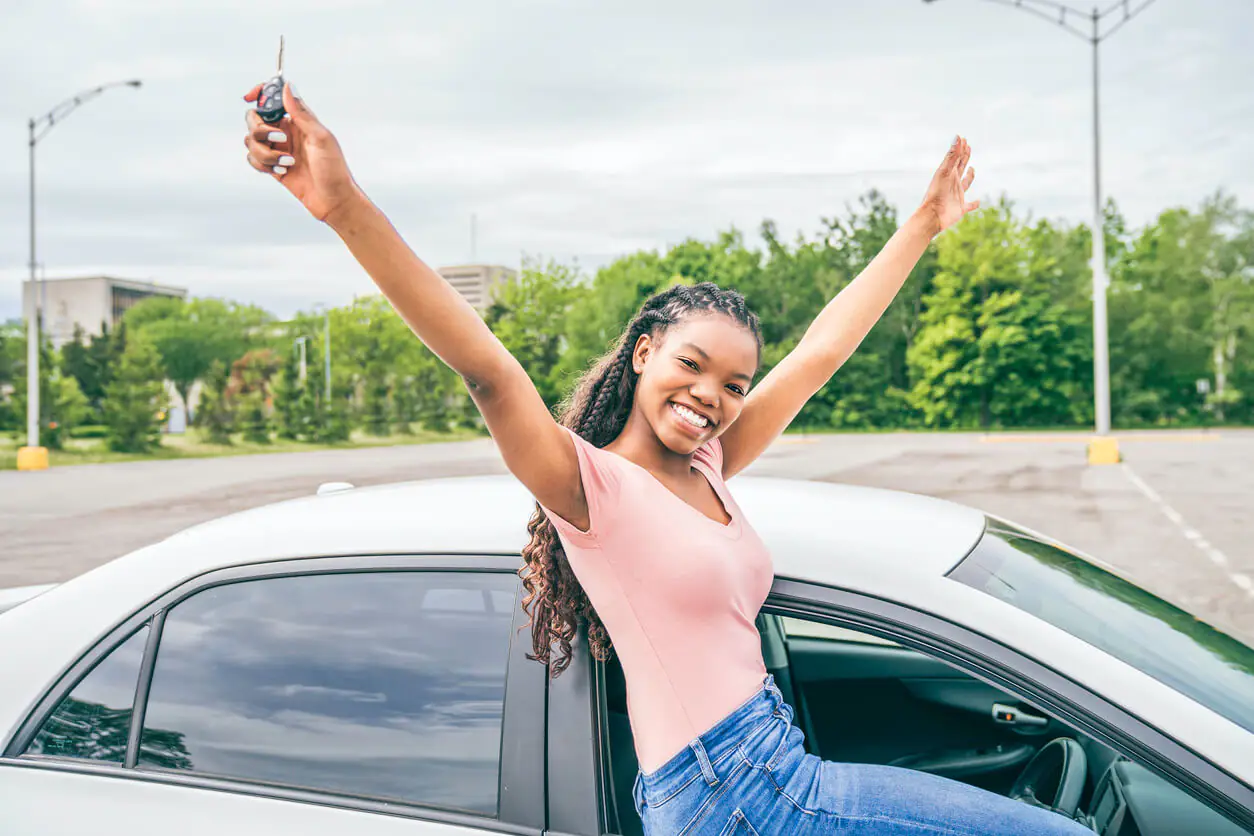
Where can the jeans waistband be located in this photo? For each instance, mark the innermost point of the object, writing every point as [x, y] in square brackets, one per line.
[725, 735]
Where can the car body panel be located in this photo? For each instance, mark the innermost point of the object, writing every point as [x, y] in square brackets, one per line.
[14, 595]
[34, 800]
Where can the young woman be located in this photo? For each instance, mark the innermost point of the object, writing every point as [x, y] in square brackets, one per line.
[636, 536]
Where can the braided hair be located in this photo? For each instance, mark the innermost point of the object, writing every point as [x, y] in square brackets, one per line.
[597, 410]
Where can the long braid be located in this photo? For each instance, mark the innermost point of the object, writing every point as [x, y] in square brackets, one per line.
[597, 410]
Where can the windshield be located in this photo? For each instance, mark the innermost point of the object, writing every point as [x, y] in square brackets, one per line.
[1108, 612]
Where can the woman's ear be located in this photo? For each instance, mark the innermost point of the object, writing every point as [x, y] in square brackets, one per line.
[640, 355]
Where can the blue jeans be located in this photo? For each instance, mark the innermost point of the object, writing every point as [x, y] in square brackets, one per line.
[751, 775]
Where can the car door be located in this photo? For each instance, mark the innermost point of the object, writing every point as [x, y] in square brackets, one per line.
[363, 695]
[870, 700]
[1193, 784]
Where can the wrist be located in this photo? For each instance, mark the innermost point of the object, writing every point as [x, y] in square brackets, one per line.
[927, 219]
[346, 214]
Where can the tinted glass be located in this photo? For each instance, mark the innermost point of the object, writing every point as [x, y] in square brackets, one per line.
[1108, 612]
[94, 721]
[386, 684]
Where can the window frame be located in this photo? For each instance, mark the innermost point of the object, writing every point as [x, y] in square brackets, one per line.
[521, 779]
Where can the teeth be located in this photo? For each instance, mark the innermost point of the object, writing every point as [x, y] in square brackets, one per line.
[689, 416]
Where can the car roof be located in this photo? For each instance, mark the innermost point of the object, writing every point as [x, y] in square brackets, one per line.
[489, 514]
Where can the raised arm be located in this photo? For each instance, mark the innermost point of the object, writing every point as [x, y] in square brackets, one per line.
[846, 320]
[303, 155]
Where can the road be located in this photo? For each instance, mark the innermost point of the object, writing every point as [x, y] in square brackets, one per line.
[1175, 515]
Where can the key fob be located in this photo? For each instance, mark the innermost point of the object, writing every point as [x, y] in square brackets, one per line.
[270, 101]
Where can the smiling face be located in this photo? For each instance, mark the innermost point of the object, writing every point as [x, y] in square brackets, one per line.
[693, 384]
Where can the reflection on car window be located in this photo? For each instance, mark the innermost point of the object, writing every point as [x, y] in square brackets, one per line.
[381, 684]
[94, 721]
[1108, 612]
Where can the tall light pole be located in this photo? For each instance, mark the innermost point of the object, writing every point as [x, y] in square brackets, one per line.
[1062, 14]
[32, 456]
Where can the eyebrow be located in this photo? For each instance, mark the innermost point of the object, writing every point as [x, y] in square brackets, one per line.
[705, 356]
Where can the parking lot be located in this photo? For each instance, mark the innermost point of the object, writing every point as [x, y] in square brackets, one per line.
[1175, 515]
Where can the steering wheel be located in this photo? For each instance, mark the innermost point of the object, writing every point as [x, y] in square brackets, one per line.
[1060, 765]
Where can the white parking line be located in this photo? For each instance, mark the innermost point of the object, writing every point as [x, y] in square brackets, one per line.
[1192, 534]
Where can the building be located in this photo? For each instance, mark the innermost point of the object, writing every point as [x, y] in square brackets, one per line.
[475, 282]
[89, 302]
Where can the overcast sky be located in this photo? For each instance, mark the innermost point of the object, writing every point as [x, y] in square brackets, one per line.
[582, 130]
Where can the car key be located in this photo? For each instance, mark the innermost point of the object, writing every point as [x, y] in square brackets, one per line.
[270, 101]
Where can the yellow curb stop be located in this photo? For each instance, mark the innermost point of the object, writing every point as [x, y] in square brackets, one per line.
[32, 458]
[1104, 450]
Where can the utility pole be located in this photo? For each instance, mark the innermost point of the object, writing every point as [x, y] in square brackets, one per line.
[32, 456]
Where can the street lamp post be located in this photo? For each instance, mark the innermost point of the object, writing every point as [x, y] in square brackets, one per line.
[32, 456]
[1061, 14]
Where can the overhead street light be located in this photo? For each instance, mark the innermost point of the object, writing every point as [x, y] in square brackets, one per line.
[32, 456]
[1099, 28]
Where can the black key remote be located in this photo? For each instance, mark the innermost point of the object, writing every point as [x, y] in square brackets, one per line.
[270, 101]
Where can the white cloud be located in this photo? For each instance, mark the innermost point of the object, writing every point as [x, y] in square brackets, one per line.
[586, 130]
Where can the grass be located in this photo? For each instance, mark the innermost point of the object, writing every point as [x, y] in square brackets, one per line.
[192, 445]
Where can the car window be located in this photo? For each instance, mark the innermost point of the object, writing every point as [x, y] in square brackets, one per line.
[804, 628]
[1106, 611]
[382, 684]
[94, 721]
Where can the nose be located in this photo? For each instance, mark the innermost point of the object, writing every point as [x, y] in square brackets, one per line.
[698, 392]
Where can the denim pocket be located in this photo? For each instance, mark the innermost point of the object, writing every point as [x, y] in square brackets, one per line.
[738, 825]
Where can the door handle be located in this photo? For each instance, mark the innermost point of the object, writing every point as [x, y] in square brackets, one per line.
[1011, 715]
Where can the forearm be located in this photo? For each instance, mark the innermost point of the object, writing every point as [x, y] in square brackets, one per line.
[846, 320]
[439, 315]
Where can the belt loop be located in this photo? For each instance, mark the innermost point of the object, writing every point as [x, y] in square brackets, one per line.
[707, 771]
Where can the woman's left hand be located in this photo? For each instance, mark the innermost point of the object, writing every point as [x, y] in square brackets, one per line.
[946, 198]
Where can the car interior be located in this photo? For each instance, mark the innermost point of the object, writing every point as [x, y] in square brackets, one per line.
[862, 699]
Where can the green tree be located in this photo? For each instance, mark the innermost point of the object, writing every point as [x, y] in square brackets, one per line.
[216, 413]
[1182, 307]
[994, 348]
[190, 335]
[250, 388]
[134, 398]
[528, 316]
[288, 389]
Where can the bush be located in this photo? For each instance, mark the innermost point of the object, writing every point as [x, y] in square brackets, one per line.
[135, 400]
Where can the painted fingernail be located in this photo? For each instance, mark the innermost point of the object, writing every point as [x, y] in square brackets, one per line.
[291, 88]
[278, 169]
[287, 160]
[276, 136]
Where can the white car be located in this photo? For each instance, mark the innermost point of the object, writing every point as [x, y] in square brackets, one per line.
[352, 662]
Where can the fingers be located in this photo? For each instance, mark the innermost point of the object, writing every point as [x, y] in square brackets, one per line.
[964, 156]
[971, 207]
[253, 94]
[966, 181]
[296, 108]
[263, 131]
[268, 158]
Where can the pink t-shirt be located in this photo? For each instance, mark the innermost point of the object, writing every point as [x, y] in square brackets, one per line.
[677, 592]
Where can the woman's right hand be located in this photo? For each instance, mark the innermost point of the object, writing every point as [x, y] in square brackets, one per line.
[301, 154]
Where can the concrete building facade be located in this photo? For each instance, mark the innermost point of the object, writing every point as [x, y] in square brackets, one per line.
[475, 282]
[89, 302]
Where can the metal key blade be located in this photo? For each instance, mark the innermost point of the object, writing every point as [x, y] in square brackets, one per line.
[280, 55]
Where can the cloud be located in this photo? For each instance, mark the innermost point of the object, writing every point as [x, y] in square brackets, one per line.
[584, 131]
